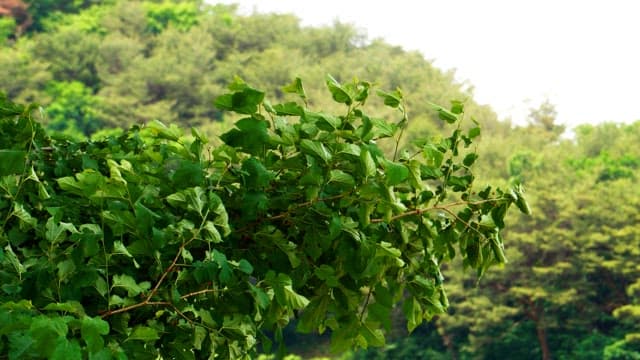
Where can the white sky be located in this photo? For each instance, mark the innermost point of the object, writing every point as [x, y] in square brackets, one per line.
[583, 55]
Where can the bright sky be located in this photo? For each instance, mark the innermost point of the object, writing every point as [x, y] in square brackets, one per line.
[583, 55]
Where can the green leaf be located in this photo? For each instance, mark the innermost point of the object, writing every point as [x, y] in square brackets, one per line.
[315, 148]
[381, 128]
[341, 177]
[199, 335]
[73, 307]
[18, 267]
[92, 330]
[474, 132]
[393, 99]
[188, 173]
[380, 313]
[225, 270]
[395, 173]
[12, 162]
[368, 164]
[144, 333]
[56, 232]
[498, 248]
[326, 122]
[66, 350]
[387, 249]
[313, 315]
[284, 293]
[244, 101]
[295, 88]
[128, 283]
[65, 269]
[469, 159]
[20, 346]
[445, 114]
[120, 249]
[497, 214]
[327, 273]
[255, 174]
[342, 338]
[413, 313]
[433, 155]
[457, 107]
[260, 297]
[521, 201]
[288, 109]
[372, 335]
[245, 266]
[21, 213]
[250, 135]
[197, 134]
[193, 199]
[160, 130]
[338, 92]
[211, 234]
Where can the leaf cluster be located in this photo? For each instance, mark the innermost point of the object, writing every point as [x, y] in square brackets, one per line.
[153, 243]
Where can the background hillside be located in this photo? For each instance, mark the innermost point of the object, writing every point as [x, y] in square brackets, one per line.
[571, 288]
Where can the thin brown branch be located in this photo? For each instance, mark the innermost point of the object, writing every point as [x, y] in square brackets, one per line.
[307, 204]
[165, 273]
[365, 305]
[196, 293]
[134, 306]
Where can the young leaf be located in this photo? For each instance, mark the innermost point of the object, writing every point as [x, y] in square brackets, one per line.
[393, 99]
[338, 93]
[457, 107]
[372, 334]
[128, 283]
[469, 159]
[296, 88]
[395, 172]
[244, 101]
[66, 350]
[144, 333]
[92, 330]
[341, 177]
[316, 149]
[368, 164]
[413, 313]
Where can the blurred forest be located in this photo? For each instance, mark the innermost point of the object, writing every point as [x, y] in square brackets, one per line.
[571, 289]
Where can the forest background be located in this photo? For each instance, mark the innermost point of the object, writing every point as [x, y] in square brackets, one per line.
[571, 288]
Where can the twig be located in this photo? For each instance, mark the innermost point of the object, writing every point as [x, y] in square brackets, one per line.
[307, 204]
[366, 304]
[134, 306]
[196, 293]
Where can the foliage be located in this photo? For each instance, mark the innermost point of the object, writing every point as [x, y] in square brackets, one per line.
[166, 60]
[41, 10]
[573, 264]
[7, 27]
[72, 112]
[14, 18]
[152, 243]
[182, 16]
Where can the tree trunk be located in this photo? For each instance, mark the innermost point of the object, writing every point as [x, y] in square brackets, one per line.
[447, 340]
[542, 340]
[451, 349]
[535, 313]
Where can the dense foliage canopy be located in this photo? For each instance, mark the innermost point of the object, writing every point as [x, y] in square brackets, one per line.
[570, 289]
[152, 243]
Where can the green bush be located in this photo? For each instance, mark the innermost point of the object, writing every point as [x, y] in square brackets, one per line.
[152, 243]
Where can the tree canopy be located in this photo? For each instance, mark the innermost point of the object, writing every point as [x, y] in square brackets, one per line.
[569, 289]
